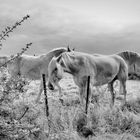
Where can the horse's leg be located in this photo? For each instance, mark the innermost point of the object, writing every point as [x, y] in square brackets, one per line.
[83, 94]
[110, 87]
[40, 91]
[81, 83]
[123, 88]
[82, 90]
[59, 89]
[122, 78]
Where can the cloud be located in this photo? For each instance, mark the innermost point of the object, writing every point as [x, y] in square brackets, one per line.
[90, 27]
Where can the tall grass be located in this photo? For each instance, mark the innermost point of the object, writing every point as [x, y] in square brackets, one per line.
[21, 118]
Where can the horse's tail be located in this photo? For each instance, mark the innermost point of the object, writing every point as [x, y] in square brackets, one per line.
[123, 69]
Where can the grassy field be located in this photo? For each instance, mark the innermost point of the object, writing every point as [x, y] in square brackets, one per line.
[67, 120]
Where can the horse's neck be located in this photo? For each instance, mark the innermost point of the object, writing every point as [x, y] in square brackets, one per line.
[54, 53]
[71, 67]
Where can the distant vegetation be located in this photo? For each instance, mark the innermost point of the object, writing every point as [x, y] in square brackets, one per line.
[134, 77]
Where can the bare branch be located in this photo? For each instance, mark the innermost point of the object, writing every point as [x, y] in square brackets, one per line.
[17, 55]
[8, 29]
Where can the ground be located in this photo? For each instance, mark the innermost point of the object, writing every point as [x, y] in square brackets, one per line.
[120, 122]
[64, 113]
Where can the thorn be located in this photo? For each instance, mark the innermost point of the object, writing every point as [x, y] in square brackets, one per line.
[14, 26]
[3, 38]
[8, 27]
[28, 16]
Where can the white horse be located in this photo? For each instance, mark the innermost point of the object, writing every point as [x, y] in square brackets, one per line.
[32, 67]
[102, 69]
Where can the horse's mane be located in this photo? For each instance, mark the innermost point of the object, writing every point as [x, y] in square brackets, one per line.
[56, 49]
[54, 52]
[129, 56]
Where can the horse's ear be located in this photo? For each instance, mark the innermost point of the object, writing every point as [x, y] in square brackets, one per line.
[58, 59]
[68, 49]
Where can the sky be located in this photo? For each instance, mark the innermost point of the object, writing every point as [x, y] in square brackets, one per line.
[92, 26]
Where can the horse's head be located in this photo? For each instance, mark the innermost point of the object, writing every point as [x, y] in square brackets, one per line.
[56, 68]
[13, 67]
[55, 72]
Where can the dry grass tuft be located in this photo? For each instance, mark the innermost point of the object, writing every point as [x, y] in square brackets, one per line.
[67, 119]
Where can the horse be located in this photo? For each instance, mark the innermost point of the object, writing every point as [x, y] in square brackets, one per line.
[102, 69]
[132, 60]
[32, 67]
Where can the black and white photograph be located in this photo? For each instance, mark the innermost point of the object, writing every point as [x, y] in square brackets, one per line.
[69, 70]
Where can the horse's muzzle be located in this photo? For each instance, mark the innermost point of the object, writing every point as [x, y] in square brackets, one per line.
[50, 86]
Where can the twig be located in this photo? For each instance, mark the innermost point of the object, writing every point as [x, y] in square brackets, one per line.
[9, 29]
[17, 55]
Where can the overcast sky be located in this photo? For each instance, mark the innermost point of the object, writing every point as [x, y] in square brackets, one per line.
[95, 26]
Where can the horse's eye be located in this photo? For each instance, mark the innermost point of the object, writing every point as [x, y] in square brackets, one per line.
[55, 69]
[62, 64]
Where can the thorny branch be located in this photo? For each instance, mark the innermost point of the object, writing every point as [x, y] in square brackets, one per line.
[8, 29]
[18, 54]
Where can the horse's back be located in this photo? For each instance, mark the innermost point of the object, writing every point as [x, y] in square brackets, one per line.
[101, 60]
[34, 66]
[29, 62]
[113, 60]
[103, 68]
